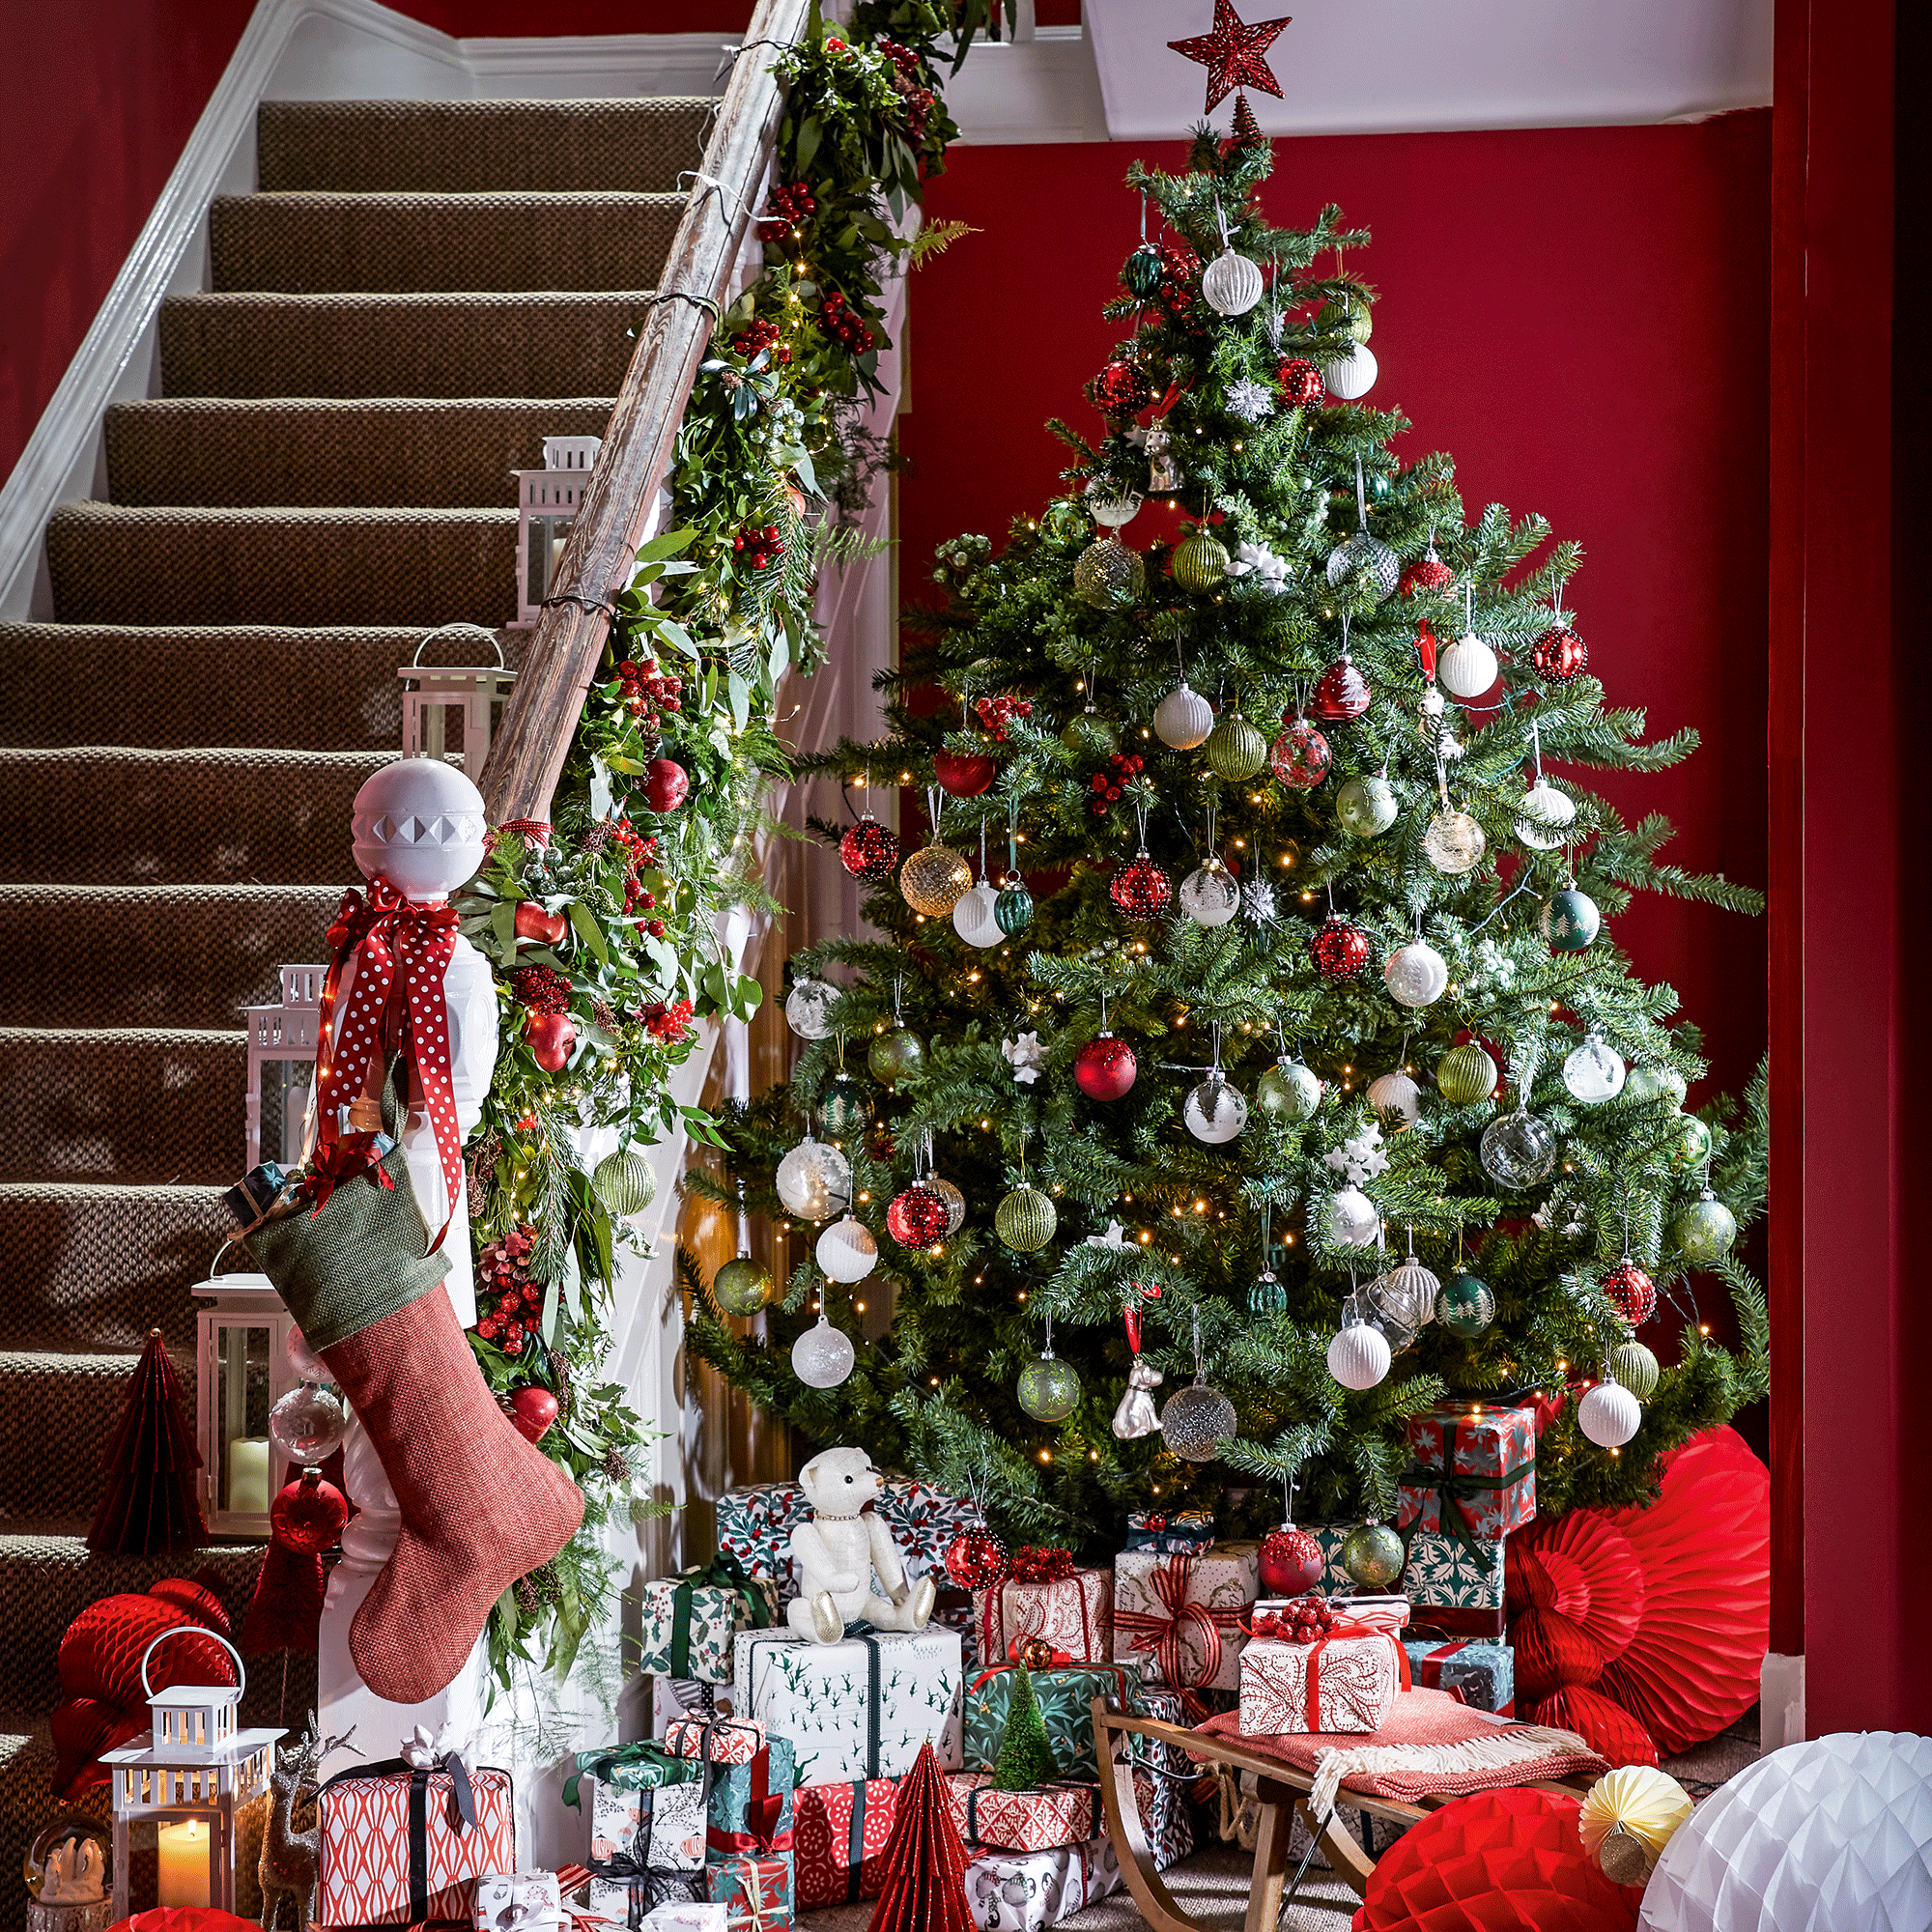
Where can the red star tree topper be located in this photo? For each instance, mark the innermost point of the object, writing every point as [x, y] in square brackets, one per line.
[1234, 53]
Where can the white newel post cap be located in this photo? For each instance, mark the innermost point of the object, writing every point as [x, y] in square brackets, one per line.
[420, 823]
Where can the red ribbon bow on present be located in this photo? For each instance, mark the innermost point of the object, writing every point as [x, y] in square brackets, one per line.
[1162, 1635]
[351, 1155]
[395, 1001]
[1371, 1624]
[1034, 1563]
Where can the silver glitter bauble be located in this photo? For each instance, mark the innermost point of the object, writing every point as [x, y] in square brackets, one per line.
[1543, 816]
[1108, 574]
[1365, 559]
[307, 1424]
[1454, 842]
[1183, 718]
[1593, 1072]
[808, 1006]
[846, 1251]
[1412, 1288]
[1209, 896]
[815, 1181]
[1196, 1420]
[1518, 1151]
[1215, 1110]
[822, 1358]
[1416, 975]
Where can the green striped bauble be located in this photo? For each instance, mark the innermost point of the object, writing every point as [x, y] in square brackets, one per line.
[1636, 1368]
[624, 1183]
[1025, 1220]
[1466, 1075]
[1201, 563]
[1013, 910]
[1236, 750]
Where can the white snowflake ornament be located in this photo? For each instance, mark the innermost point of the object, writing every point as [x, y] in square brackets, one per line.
[1362, 1158]
[1249, 401]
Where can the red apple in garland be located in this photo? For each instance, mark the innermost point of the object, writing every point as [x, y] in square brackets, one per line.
[534, 924]
[532, 1409]
[665, 784]
[552, 1038]
[963, 774]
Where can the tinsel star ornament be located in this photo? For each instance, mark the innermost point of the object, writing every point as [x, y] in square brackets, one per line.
[1235, 53]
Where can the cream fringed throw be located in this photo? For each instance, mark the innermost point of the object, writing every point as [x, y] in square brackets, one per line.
[1431, 1746]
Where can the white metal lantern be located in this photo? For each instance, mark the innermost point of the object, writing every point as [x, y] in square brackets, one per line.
[242, 1361]
[547, 504]
[195, 1771]
[282, 1043]
[432, 692]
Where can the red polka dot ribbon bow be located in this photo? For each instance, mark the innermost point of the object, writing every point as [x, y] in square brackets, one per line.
[395, 1001]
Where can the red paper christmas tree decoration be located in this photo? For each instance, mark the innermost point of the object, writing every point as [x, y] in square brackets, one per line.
[150, 1504]
[925, 1863]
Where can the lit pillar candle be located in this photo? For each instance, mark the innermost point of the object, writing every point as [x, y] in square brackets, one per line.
[184, 1873]
[248, 1475]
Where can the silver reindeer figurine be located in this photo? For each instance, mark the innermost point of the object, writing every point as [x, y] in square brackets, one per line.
[290, 1859]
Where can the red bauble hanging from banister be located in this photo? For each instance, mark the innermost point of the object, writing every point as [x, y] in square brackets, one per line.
[1559, 654]
[1105, 1067]
[1340, 693]
[963, 774]
[918, 1217]
[1139, 888]
[1631, 1292]
[1339, 947]
[868, 850]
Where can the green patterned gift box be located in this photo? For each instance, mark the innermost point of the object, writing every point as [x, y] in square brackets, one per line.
[1065, 1696]
[1440, 1573]
[691, 1622]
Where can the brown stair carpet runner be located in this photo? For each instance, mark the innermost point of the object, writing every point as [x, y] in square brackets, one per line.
[419, 293]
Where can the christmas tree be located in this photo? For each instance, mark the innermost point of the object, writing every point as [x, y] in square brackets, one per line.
[925, 1862]
[1026, 1752]
[1370, 1110]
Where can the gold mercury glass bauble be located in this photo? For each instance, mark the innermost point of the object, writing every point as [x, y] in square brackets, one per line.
[741, 1287]
[624, 1183]
[1635, 1367]
[1373, 1555]
[1236, 749]
[1108, 574]
[1466, 1075]
[1201, 563]
[1025, 1220]
[934, 879]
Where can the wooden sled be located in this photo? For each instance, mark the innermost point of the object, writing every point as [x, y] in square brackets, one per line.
[1284, 1791]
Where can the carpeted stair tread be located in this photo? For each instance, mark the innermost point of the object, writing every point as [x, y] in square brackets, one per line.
[282, 566]
[139, 1105]
[432, 452]
[63, 1396]
[464, 147]
[91, 816]
[98, 1265]
[193, 956]
[315, 242]
[466, 343]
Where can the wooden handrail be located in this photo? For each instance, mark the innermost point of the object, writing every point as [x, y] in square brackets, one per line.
[529, 750]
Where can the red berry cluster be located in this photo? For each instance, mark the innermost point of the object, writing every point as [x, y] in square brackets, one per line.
[1306, 1620]
[763, 334]
[905, 78]
[997, 713]
[667, 1023]
[1122, 390]
[642, 685]
[843, 322]
[508, 1302]
[1108, 783]
[788, 207]
[638, 852]
[759, 545]
[1180, 275]
[1300, 383]
[543, 989]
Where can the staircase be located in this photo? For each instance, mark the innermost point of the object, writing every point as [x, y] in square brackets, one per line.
[418, 293]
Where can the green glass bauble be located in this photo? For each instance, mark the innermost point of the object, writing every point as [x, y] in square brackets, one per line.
[1141, 274]
[1236, 750]
[1569, 920]
[1013, 910]
[1466, 1075]
[1049, 1389]
[1090, 735]
[1365, 807]
[1691, 1145]
[1354, 322]
[1705, 1231]
[624, 1183]
[1465, 1305]
[1025, 1220]
[844, 1108]
[1636, 1368]
[1267, 1296]
[1201, 563]
[1373, 1555]
[741, 1287]
[1288, 1090]
[895, 1056]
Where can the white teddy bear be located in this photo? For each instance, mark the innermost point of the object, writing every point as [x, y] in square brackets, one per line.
[836, 1552]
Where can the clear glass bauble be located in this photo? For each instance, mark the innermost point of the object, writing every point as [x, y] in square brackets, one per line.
[897, 1054]
[1649, 1083]
[809, 1007]
[1183, 719]
[955, 1203]
[1543, 816]
[976, 917]
[1049, 1389]
[1288, 1090]
[1196, 1420]
[1359, 1356]
[1108, 575]
[1215, 1110]
[304, 1364]
[1416, 975]
[815, 1181]
[846, 1251]
[1365, 807]
[1465, 1306]
[1209, 896]
[1087, 733]
[934, 879]
[1397, 1098]
[1704, 1232]
[1454, 842]
[742, 1287]
[1610, 1415]
[822, 1358]
[1518, 1151]
[307, 1424]
[1468, 667]
[1387, 1312]
[1595, 1071]
[1353, 1219]
[1365, 559]
[1231, 284]
[1373, 1556]
[1111, 509]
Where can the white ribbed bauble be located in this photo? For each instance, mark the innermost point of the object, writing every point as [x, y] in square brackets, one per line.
[1183, 718]
[1610, 1415]
[1231, 284]
[846, 1250]
[1468, 667]
[1353, 376]
[1396, 1094]
[973, 917]
[1543, 816]
[1358, 1357]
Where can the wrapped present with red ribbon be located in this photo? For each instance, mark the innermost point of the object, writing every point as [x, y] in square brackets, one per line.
[1020, 1821]
[1044, 1597]
[839, 1834]
[717, 1739]
[748, 1808]
[756, 1894]
[1471, 1474]
[1181, 1617]
[1344, 1680]
[1482, 1674]
[1066, 1699]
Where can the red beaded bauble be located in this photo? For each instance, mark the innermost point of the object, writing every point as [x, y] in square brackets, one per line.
[1104, 1068]
[1121, 389]
[1301, 381]
[1428, 573]
[975, 1559]
[1300, 755]
[1340, 949]
[1291, 1562]
[1632, 1293]
[1559, 654]
[308, 1515]
[868, 850]
[918, 1217]
[962, 774]
[1139, 888]
[1340, 693]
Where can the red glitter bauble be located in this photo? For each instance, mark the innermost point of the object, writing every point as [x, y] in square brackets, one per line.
[1559, 654]
[1140, 890]
[1291, 1562]
[1428, 574]
[868, 850]
[1301, 381]
[962, 774]
[1340, 693]
[1632, 1291]
[1104, 1068]
[975, 1559]
[1121, 389]
[1340, 949]
[918, 1217]
[308, 1515]
[1300, 755]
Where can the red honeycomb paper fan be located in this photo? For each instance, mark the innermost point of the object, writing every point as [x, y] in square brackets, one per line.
[1607, 1728]
[1551, 1652]
[1582, 1566]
